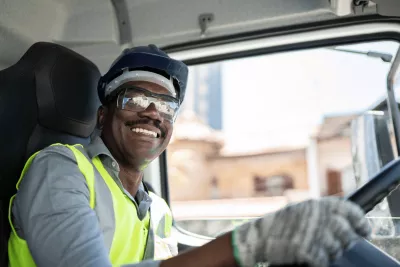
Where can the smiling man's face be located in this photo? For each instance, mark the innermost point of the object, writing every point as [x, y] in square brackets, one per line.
[135, 138]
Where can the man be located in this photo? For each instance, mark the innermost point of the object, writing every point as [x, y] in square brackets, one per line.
[88, 207]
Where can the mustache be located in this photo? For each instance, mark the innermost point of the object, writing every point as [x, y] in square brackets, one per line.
[156, 124]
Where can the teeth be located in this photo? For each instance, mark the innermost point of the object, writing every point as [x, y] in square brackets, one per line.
[144, 131]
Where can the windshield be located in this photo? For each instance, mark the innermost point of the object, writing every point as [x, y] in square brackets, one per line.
[258, 133]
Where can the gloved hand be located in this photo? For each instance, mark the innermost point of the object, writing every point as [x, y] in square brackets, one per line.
[313, 232]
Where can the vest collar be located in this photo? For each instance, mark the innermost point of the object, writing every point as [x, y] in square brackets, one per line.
[97, 148]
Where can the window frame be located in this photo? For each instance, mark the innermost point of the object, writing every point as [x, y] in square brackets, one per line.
[305, 37]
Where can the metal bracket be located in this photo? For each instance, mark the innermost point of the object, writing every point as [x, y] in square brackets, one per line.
[359, 5]
[391, 99]
[394, 197]
[204, 21]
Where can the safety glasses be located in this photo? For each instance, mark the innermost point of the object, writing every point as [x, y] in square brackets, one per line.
[138, 99]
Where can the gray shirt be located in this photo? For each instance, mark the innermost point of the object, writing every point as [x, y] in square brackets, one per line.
[51, 210]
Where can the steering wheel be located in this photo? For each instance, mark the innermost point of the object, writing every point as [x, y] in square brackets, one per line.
[363, 253]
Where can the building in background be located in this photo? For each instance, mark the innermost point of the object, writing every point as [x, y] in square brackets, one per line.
[201, 169]
[204, 94]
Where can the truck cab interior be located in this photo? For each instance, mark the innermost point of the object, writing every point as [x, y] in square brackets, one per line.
[53, 52]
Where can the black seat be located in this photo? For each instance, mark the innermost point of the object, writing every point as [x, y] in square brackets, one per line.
[49, 96]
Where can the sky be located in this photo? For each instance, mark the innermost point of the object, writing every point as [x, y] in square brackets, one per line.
[278, 100]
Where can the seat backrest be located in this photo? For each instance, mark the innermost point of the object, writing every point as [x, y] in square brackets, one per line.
[49, 96]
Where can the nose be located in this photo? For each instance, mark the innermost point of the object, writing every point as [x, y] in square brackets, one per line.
[152, 113]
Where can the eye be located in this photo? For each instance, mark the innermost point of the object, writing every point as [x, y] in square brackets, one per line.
[161, 107]
[141, 101]
[168, 110]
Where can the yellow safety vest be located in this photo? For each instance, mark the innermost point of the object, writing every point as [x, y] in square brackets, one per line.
[130, 236]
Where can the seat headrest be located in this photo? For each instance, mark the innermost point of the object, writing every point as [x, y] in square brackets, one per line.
[48, 96]
[66, 88]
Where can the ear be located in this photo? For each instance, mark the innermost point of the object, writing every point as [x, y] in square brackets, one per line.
[101, 116]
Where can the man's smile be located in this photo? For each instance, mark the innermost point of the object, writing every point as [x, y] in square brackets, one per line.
[145, 129]
[139, 130]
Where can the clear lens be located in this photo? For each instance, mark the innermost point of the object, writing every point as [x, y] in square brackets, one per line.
[138, 99]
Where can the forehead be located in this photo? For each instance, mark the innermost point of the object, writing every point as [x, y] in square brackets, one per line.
[152, 87]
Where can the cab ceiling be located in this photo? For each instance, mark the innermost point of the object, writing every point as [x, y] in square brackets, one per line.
[100, 29]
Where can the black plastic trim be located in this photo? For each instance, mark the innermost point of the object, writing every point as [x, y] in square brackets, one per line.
[297, 46]
[279, 31]
[164, 177]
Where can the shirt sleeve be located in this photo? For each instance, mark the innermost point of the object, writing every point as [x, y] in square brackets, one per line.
[51, 212]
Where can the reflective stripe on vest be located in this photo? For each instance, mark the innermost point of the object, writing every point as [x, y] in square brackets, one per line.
[128, 227]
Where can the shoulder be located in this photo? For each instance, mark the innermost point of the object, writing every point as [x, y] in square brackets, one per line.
[50, 170]
[58, 151]
[159, 203]
[56, 154]
[51, 181]
[50, 177]
[156, 199]
[54, 165]
[52, 153]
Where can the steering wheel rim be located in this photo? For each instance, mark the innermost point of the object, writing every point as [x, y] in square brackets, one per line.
[367, 196]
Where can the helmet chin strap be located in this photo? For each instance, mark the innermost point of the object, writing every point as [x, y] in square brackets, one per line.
[140, 75]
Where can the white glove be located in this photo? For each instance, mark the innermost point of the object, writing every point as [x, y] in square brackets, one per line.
[314, 232]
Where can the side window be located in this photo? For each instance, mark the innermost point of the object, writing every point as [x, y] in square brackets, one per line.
[258, 133]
